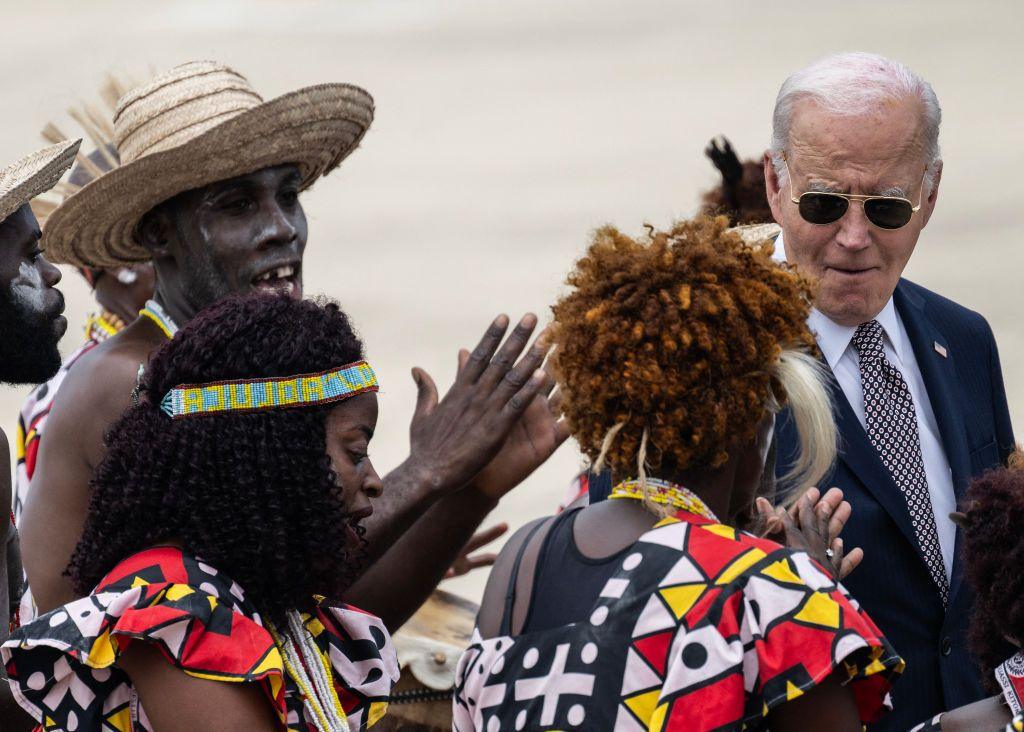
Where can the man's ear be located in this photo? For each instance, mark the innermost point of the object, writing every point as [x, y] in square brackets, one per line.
[772, 187]
[928, 205]
[154, 232]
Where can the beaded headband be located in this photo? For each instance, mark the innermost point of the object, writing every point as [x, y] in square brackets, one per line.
[254, 395]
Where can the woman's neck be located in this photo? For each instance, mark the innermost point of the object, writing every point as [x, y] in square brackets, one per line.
[714, 487]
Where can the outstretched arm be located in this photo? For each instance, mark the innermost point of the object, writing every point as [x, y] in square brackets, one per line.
[451, 440]
[398, 582]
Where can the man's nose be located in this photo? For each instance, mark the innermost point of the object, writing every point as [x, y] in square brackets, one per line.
[278, 228]
[854, 228]
[50, 274]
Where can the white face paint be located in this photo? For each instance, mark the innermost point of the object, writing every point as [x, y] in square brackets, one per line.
[28, 290]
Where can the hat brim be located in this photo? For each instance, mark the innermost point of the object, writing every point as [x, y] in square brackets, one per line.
[37, 173]
[314, 128]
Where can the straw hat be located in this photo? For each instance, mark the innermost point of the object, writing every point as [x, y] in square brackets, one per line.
[199, 123]
[94, 120]
[39, 172]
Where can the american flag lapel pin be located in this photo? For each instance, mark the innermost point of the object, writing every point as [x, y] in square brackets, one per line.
[941, 350]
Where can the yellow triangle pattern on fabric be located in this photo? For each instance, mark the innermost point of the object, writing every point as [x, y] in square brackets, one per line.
[643, 705]
[377, 710]
[213, 601]
[740, 565]
[820, 609]
[726, 532]
[658, 718]
[121, 720]
[176, 592]
[782, 572]
[271, 662]
[792, 691]
[139, 582]
[682, 597]
[102, 653]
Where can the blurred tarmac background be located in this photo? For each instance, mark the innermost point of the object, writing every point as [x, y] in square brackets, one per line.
[507, 131]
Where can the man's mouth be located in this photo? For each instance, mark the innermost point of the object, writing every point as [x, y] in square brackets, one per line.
[851, 271]
[282, 280]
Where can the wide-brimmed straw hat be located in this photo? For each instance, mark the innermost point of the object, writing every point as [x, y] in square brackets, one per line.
[37, 173]
[199, 123]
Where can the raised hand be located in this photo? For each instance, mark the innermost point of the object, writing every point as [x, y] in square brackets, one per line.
[454, 438]
[721, 154]
[464, 563]
[813, 524]
[531, 442]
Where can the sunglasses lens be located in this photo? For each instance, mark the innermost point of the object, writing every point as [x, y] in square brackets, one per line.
[888, 213]
[822, 208]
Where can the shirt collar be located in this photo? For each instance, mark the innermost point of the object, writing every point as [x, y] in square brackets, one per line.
[833, 339]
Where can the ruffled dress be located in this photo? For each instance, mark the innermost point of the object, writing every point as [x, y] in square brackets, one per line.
[63, 666]
[702, 627]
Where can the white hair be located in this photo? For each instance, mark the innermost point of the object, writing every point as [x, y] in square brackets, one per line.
[851, 84]
[805, 383]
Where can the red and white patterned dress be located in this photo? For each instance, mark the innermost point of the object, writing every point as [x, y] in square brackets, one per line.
[702, 627]
[63, 666]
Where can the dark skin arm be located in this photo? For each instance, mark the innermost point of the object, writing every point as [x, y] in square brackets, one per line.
[467, 561]
[177, 702]
[398, 582]
[828, 707]
[986, 714]
[92, 397]
[453, 439]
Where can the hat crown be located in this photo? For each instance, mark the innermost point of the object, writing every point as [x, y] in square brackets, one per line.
[178, 106]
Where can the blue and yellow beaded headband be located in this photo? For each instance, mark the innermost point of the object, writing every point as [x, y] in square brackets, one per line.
[253, 395]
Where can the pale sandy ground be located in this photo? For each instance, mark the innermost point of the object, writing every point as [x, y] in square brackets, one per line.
[506, 131]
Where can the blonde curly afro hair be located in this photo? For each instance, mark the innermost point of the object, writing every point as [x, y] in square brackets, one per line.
[678, 335]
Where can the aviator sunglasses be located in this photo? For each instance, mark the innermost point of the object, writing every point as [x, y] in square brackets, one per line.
[822, 208]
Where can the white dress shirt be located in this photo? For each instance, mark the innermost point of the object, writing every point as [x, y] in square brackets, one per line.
[835, 342]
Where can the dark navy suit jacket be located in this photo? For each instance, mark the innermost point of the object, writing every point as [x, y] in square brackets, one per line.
[892, 584]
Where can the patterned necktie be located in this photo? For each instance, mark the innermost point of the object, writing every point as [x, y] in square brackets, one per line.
[892, 429]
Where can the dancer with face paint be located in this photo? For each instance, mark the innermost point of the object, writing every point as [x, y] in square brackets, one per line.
[208, 189]
[31, 323]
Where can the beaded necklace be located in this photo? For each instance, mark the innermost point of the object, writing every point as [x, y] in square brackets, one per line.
[311, 672]
[160, 318]
[100, 326]
[665, 493]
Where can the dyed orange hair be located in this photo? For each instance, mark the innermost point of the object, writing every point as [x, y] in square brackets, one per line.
[677, 334]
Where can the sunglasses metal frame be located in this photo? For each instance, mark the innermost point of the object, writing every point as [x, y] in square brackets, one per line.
[855, 197]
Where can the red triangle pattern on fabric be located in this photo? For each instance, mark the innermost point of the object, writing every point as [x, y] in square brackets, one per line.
[654, 649]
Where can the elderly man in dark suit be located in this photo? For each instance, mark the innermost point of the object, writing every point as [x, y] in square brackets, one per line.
[853, 177]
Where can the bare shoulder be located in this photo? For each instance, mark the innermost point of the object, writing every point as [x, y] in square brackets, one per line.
[102, 380]
[492, 607]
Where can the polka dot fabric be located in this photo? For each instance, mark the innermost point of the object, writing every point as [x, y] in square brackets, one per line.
[891, 424]
[63, 666]
[702, 627]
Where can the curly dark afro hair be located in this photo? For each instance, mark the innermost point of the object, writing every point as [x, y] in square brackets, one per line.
[253, 493]
[994, 553]
[675, 334]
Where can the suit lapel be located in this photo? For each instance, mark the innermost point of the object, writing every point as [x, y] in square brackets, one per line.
[938, 371]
